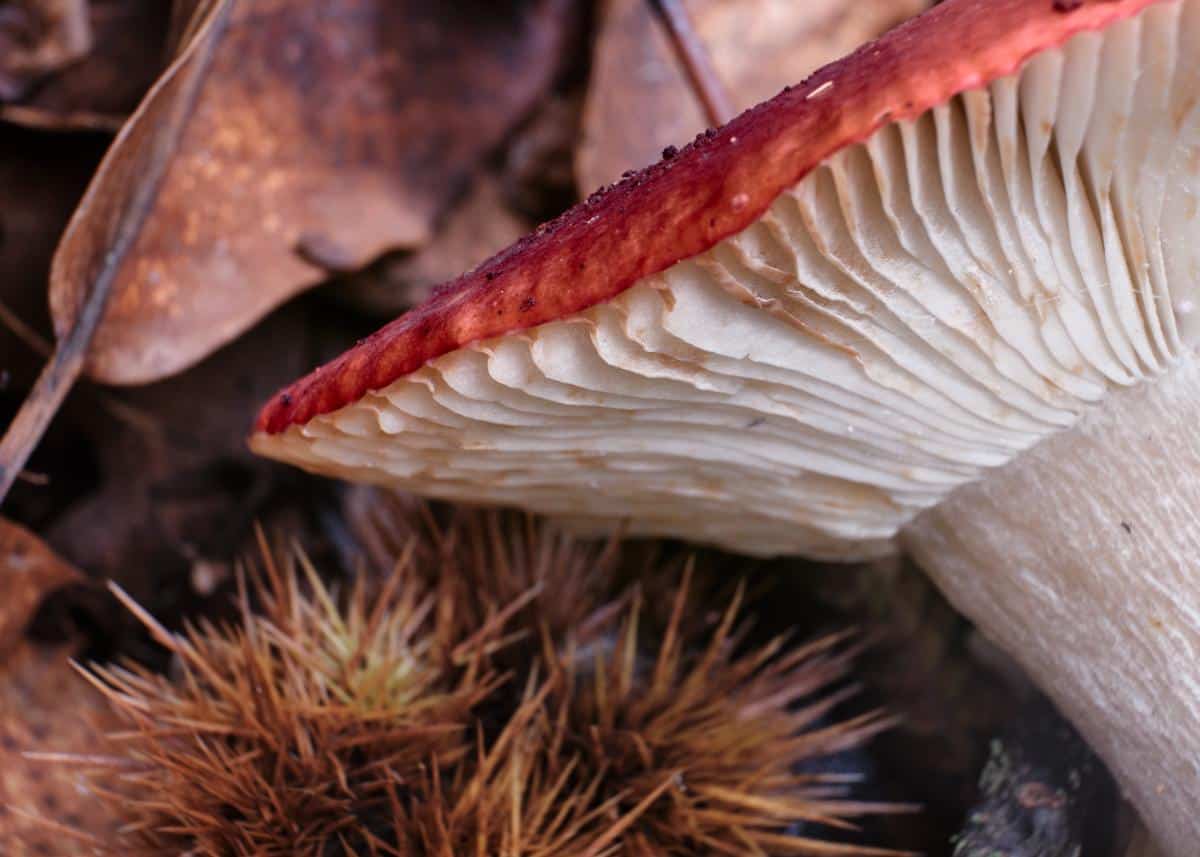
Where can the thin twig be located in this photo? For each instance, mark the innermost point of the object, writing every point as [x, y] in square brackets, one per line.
[137, 419]
[56, 380]
[696, 60]
[24, 332]
[51, 388]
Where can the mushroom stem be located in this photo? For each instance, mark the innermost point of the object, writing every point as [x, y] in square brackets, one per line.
[1082, 559]
[1141, 845]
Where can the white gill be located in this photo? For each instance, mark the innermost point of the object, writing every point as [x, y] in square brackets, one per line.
[921, 308]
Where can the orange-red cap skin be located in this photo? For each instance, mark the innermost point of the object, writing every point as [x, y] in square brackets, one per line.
[717, 186]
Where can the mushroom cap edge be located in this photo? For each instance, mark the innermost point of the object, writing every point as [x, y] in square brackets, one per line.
[715, 187]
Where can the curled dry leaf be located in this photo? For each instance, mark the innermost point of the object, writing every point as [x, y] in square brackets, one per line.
[337, 129]
[38, 38]
[100, 90]
[639, 101]
[28, 571]
[480, 225]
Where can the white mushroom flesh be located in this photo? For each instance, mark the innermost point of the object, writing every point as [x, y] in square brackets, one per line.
[923, 307]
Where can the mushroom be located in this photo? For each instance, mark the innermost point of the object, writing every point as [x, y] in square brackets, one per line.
[941, 297]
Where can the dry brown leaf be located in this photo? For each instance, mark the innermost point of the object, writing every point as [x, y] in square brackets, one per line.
[46, 708]
[480, 225]
[28, 571]
[337, 128]
[103, 88]
[639, 101]
[101, 233]
[38, 38]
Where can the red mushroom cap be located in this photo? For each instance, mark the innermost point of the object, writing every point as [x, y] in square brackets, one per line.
[718, 185]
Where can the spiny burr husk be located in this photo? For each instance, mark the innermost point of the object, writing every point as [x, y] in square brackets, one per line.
[480, 562]
[283, 733]
[700, 742]
[429, 716]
